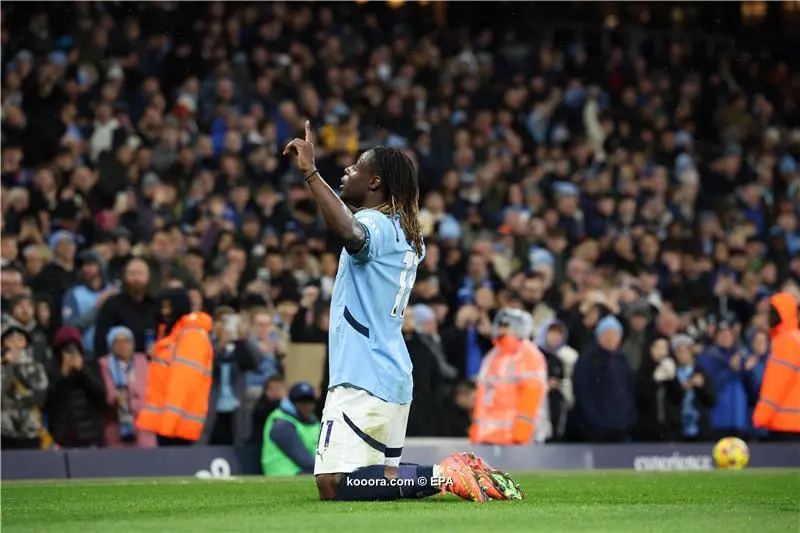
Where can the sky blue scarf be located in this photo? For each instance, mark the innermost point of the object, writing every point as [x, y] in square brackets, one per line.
[120, 371]
[227, 402]
[690, 416]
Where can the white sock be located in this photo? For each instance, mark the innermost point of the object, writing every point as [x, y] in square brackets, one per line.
[437, 472]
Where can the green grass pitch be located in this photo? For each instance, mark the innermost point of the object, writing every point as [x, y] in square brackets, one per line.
[750, 501]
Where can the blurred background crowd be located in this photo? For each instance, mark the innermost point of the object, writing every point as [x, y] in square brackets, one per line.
[629, 168]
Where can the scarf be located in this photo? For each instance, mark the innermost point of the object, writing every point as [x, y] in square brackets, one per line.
[227, 402]
[474, 353]
[123, 374]
[267, 365]
[690, 416]
[447, 370]
[46, 441]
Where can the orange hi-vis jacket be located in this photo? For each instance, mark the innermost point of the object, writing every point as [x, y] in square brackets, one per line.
[511, 402]
[179, 380]
[778, 407]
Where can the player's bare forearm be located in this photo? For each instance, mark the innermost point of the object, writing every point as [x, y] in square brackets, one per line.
[337, 216]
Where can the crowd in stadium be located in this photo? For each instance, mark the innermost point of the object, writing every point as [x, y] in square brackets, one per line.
[643, 208]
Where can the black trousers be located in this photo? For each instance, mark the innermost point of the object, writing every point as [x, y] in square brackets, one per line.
[170, 442]
[9, 443]
[783, 436]
[222, 434]
[722, 433]
[604, 435]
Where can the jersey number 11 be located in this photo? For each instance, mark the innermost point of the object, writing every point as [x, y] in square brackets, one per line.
[407, 278]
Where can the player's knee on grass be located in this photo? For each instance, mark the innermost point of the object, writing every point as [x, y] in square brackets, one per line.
[327, 484]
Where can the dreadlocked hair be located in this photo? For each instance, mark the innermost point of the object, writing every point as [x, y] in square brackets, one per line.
[402, 190]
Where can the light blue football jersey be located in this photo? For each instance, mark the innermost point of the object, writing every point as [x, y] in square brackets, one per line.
[370, 295]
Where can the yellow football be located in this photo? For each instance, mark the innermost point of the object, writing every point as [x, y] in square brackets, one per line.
[731, 453]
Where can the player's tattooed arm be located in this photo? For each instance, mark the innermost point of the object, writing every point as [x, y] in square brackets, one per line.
[338, 217]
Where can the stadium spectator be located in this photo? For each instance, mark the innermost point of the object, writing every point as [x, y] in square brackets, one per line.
[699, 395]
[59, 275]
[227, 420]
[561, 359]
[43, 309]
[12, 285]
[268, 342]
[634, 345]
[426, 327]
[133, 308]
[425, 413]
[604, 387]
[124, 373]
[274, 392]
[82, 301]
[76, 396]
[467, 341]
[658, 394]
[458, 409]
[757, 350]
[21, 314]
[310, 323]
[24, 384]
[722, 360]
[291, 433]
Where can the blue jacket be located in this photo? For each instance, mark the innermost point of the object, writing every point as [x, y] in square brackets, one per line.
[752, 384]
[605, 395]
[730, 412]
[78, 306]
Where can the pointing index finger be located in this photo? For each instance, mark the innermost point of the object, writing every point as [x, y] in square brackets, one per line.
[309, 138]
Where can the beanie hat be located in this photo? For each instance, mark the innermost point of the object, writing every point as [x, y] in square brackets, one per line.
[59, 236]
[608, 323]
[422, 314]
[681, 339]
[67, 335]
[115, 332]
[13, 301]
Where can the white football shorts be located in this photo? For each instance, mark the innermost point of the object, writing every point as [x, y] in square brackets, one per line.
[358, 430]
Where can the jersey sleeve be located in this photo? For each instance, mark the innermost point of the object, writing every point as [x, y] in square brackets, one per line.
[375, 228]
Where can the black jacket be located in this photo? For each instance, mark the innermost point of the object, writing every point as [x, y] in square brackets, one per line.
[559, 409]
[54, 281]
[75, 406]
[426, 405]
[455, 422]
[660, 406]
[604, 391]
[454, 341]
[301, 331]
[122, 310]
[242, 359]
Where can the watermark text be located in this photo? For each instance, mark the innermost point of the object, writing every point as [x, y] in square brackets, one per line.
[421, 481]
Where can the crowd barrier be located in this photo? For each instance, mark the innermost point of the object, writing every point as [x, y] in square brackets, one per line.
[227, 461]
